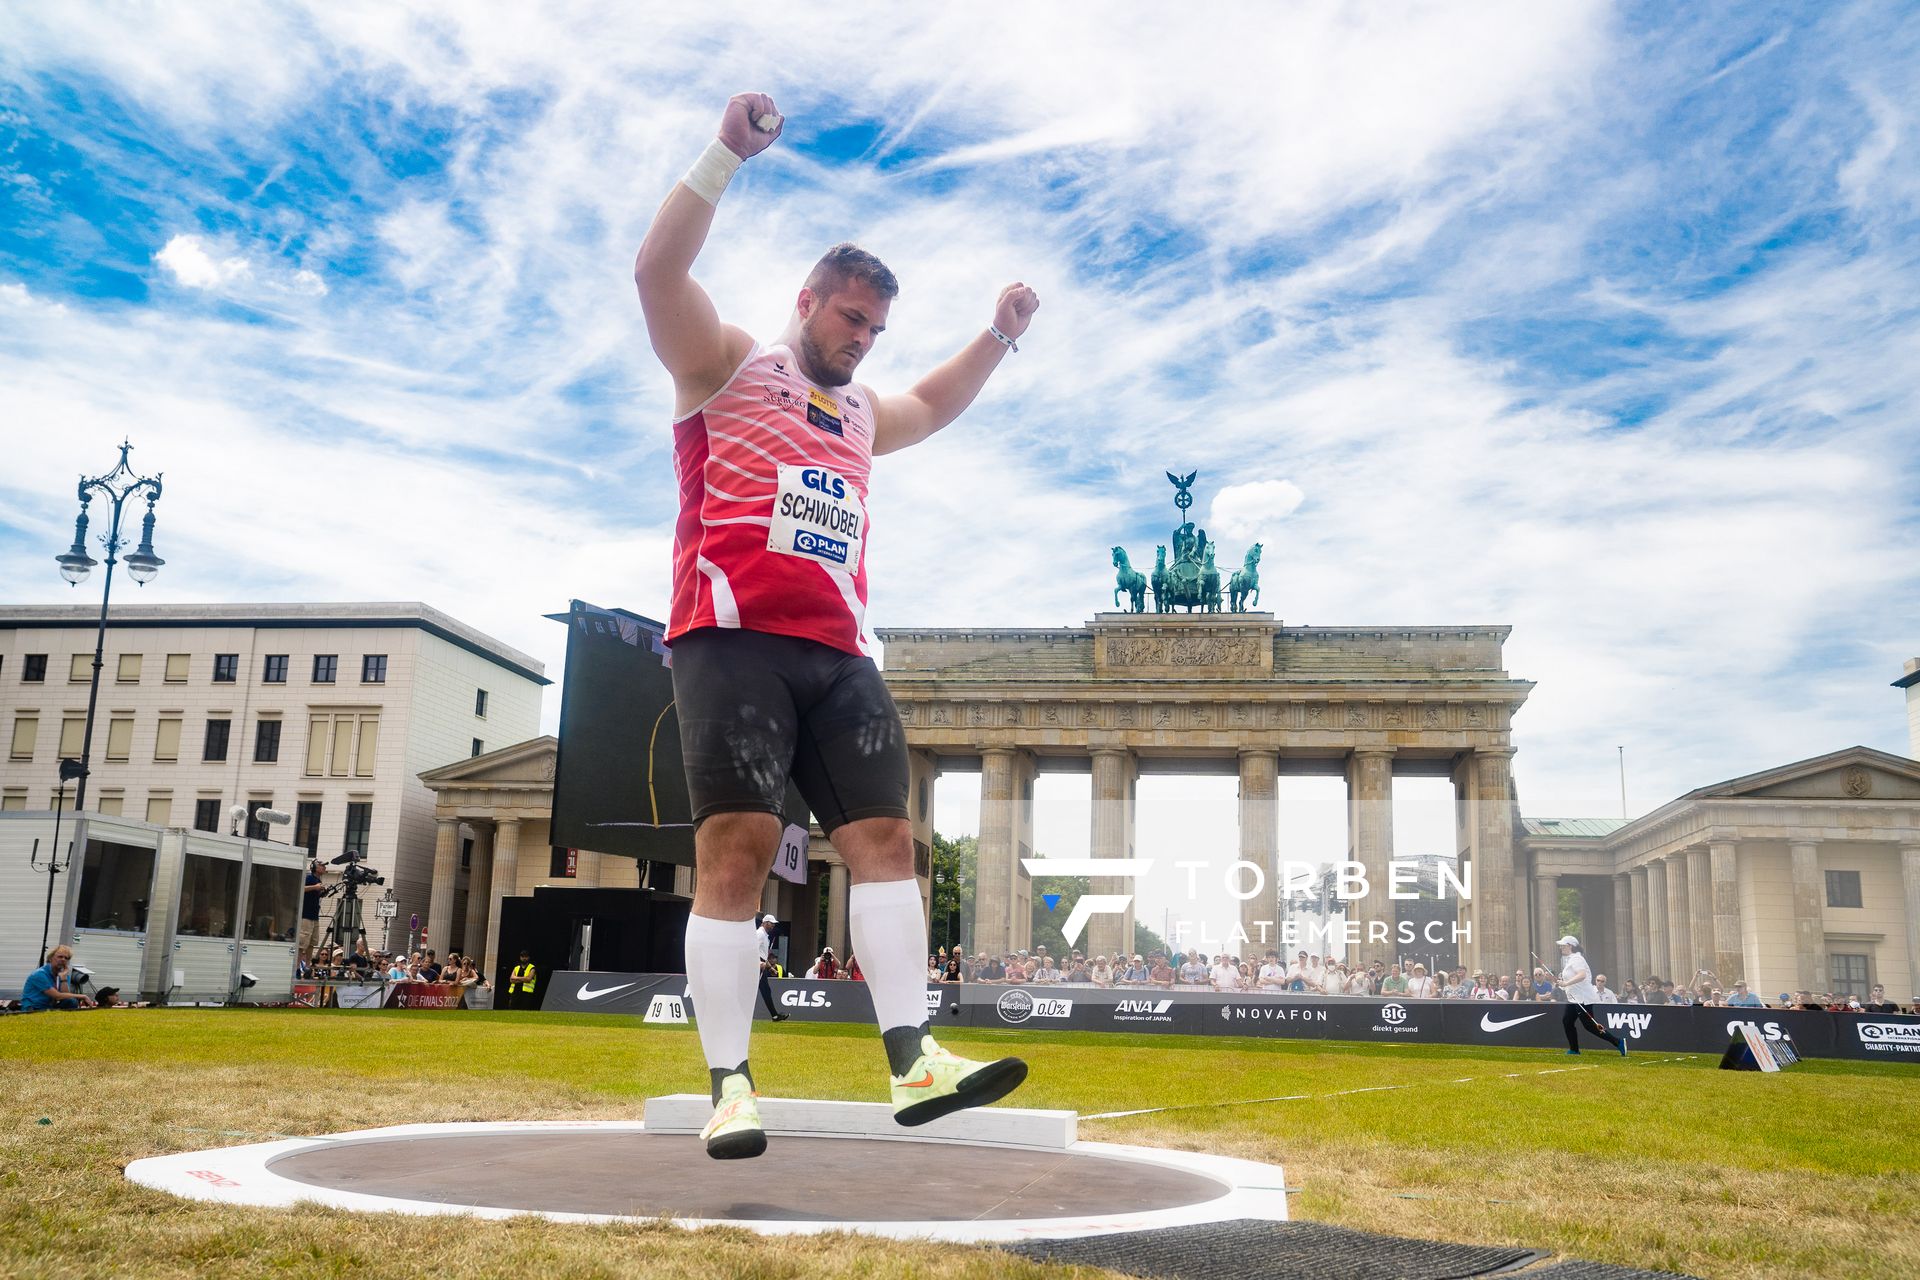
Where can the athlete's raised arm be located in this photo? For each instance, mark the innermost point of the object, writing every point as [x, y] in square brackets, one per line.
[944, 394]
[686, 332]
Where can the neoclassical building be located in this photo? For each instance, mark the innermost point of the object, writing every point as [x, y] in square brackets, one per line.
[1802, 877]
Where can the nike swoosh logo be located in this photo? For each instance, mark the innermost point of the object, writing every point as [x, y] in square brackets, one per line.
[1488, 1024]
[917, 1084]
[588, 993]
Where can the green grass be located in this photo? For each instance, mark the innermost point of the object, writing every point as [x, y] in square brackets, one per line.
[1651, 1162]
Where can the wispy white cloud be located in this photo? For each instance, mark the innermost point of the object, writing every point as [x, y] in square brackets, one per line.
[1555, 327]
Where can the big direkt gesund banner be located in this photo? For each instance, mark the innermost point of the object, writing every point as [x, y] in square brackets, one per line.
[1646, 1028]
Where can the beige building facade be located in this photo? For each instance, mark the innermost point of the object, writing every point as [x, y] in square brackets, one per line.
[1804, 877]
[329, 712]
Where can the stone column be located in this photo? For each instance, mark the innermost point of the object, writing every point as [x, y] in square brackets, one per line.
[446, 873]
[1700, 908]
[1642, 955]
[1910, 879]
[1370, 843]
[1809, 915]
[479, 894]
[1110, 934]
[506, 884]
[1495, 923]
[1659, 939]
[1679, 932]
[1621, 961]
[994, 893]
[1729, 944]
[1260, 845]
[837, 883]
[1546, 922]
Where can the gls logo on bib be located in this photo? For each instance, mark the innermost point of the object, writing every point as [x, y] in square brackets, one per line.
[817, 515]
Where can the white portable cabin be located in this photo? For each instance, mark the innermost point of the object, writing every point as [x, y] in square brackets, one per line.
[152, 910]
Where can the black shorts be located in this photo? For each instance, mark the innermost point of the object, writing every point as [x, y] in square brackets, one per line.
[756, 709]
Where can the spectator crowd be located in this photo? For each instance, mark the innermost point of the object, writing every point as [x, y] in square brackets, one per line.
[1323, 975]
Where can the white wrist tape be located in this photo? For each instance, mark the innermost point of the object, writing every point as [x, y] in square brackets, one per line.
[712, 171]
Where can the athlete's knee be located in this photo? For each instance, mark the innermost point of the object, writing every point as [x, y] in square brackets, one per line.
[732, 852]
[876, 849]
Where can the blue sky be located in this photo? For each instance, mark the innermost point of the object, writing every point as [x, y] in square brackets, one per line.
[1597, 321]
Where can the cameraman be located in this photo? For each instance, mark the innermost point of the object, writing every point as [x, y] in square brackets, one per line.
[310, 907]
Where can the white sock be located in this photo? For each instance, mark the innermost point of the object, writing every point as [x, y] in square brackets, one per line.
[723, 972]
[890, 938]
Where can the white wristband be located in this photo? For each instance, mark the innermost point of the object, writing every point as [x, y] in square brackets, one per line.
[712, 171]
[1002, 339]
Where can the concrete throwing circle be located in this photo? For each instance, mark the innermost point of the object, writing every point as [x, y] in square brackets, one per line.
[594, 1172]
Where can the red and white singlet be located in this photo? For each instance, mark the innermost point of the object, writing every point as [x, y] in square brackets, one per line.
[772, 473]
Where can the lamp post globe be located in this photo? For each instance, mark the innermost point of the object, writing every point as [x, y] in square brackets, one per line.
[75, 565]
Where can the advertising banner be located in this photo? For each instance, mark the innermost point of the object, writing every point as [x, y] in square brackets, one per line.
[1645, 1028]
[423, 995]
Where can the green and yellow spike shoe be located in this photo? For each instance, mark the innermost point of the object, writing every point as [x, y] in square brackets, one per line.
[941, 1083]
[734, 1133]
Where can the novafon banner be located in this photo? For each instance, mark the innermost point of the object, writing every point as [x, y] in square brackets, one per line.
[1645, 1028]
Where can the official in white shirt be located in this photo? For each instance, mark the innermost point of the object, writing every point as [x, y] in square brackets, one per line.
[1576, 979]
[765, 931]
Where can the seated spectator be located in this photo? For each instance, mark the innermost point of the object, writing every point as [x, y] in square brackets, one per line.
[1602, 994]
[952, 974]
[50, 987]
[988, 969]
[1161, 974]
[1877, 1001]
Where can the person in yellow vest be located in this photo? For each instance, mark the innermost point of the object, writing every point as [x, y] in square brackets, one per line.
[520, 985]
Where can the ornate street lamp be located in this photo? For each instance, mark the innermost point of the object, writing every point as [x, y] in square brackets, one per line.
[118, 485]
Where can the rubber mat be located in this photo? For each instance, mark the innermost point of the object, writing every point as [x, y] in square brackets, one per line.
[1251, 1249]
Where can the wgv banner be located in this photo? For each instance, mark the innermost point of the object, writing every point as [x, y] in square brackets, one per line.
[1645, 1028]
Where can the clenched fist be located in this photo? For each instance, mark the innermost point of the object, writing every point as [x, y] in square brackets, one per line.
[739, 129]
[1014, 311]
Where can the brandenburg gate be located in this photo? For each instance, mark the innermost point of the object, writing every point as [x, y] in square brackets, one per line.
[1219, 692]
